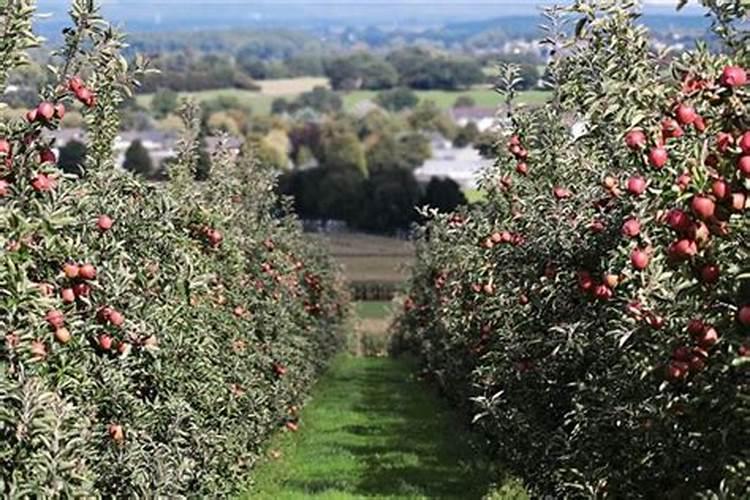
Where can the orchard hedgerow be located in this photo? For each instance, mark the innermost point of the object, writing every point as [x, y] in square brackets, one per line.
[124, 368]
[611, 358]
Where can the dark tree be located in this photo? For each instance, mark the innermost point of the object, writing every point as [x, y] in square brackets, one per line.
[397, 99]
[72, 157]
[466, 135]
[137, 159]
[443, 194]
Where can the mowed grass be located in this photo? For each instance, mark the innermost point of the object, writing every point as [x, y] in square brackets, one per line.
[372, 430]
[373, 310]
[260, 101]
[368, 258]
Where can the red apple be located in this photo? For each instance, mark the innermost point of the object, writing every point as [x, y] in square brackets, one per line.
[720, 189]
[105, 342]
[640, 259]
[522, 168]
[62, 335]
[55, 318]
[703, 207]
[743, 315]
[683, 249]
[724, 141]
[87, 272]
[658, 157]
[686, 115]
[47, 156]
[678, 220]
[636, 185]
[104, 223]
[68, 295]
[4, 188]
[710, 273]
[743, 165]
[635, 139]
[733, 76]
[81, 290]
[45, 111]
[631, 228]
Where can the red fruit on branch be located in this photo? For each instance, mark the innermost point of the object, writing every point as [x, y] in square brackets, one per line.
[744, 143]
[55, 318]
[104, 223]
[733, 76]
[42, 183]
[603, 292]
[522, 168]
[45, 111]
[585, 282]
[4, 188]
[743, 165]
[720, 189]
[116, 318]
[62, 335]
[700, 124]
[31, 115]
[75, 84]
[724, 141]
[561, 193]
[596, 227]
[686, 115]
[635, 139]
[116, 433]
[68, 295]
[743, 315]
[676, 371]
[708, 339]
[81, 290]
[683, 249]
[678, 220]
[631, 228]
[71, 271]
[682, 353]
[87, 272]
[59, 111]
[105, 342]
[696, 327]
[640, 259]
[710, 274]
[683, 181]
[670, 129]
[658, 157]
[703, 207]
[636, 185]
[738, 202]
[47, 156]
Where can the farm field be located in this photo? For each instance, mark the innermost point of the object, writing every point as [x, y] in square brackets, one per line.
[260, 101]
[373, 429]
[366, 257]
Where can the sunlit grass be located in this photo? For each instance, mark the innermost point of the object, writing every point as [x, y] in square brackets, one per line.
[372, 430]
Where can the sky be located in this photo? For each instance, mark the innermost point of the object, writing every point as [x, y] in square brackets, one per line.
[171, 15]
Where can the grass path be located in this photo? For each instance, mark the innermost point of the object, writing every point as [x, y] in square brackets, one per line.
[373, 431]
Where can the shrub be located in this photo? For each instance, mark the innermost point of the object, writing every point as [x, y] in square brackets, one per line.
[590, 311]
[153, 335]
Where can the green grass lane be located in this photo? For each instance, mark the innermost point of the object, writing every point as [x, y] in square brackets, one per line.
[371, 430]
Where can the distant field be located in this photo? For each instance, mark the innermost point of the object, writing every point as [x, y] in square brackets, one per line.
[260, 101]
[366, 258]
[485, 98]
[475, 195]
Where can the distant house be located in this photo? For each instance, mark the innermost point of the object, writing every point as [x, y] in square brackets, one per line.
[463, 165]
[484, 118]
[160, 145]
